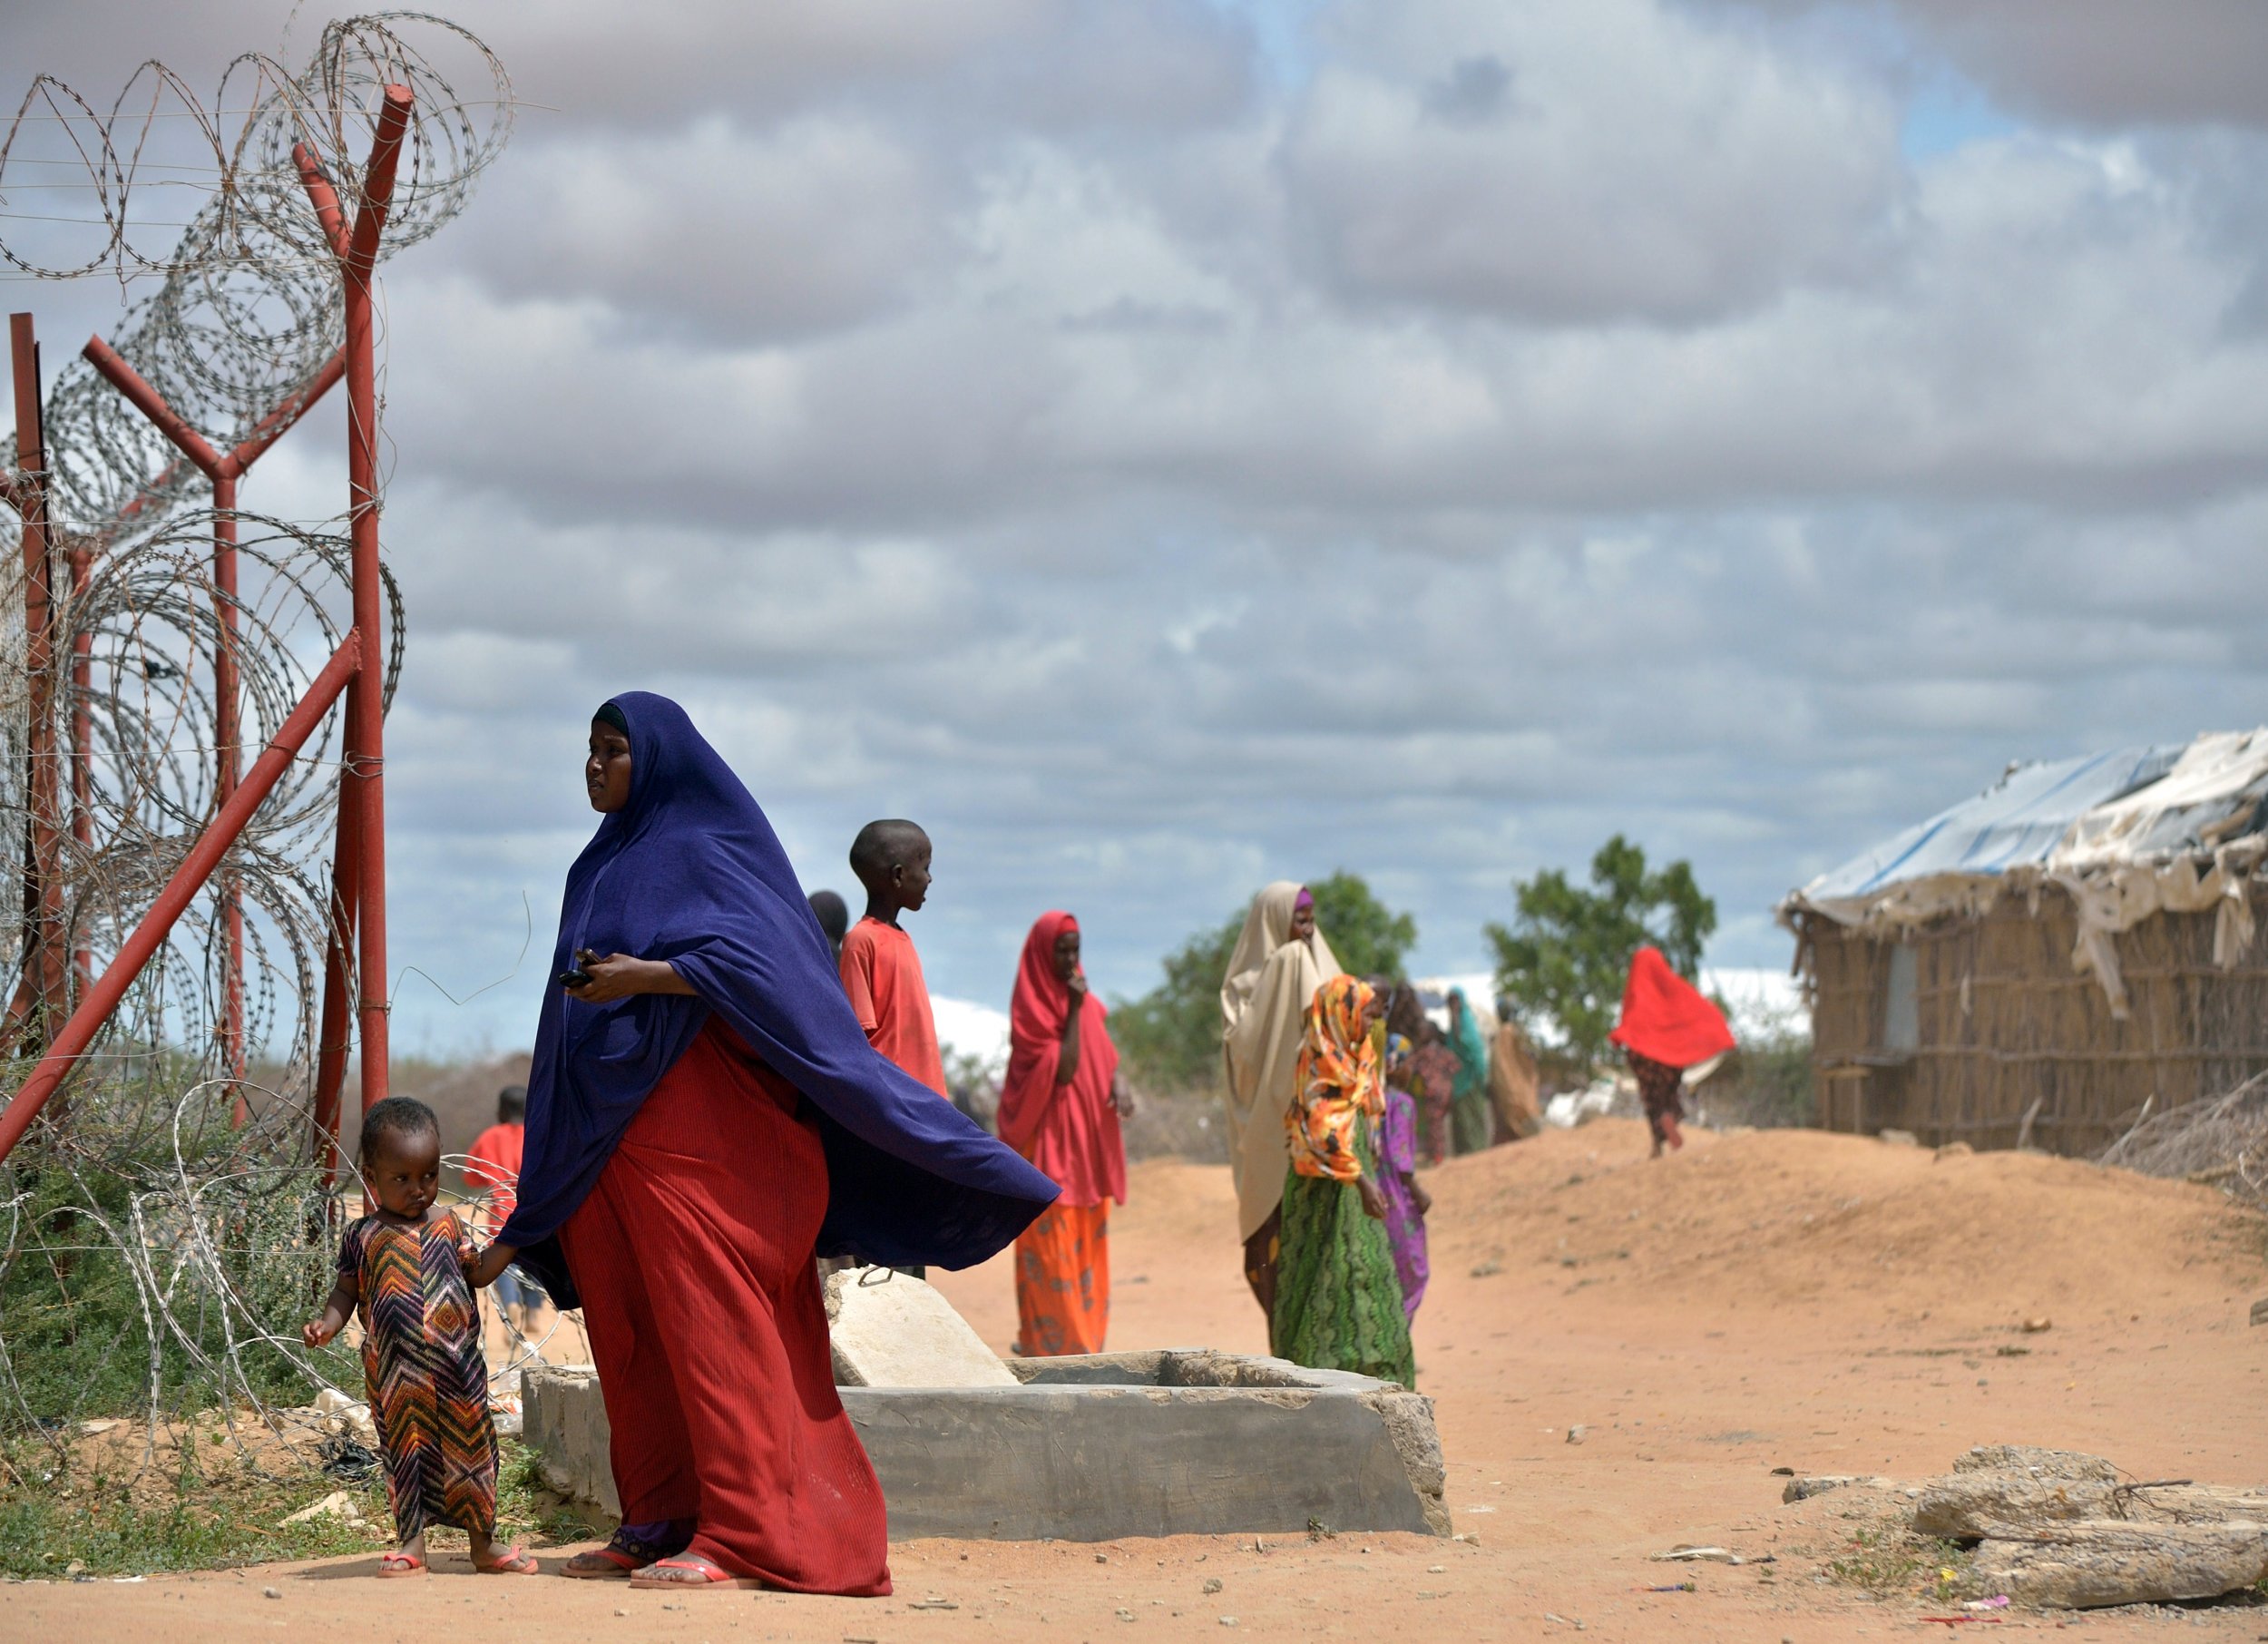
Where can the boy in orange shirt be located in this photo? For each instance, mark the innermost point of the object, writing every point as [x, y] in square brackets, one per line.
[881, 972]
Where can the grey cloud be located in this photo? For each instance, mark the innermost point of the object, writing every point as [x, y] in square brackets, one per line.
[2103, 62]
[1037, 459]
[1645, 168]
[719, 232]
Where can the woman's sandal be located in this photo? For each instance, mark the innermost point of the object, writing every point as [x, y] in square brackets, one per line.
[624, 1556]
[690, 1573]
[393, 1564]
[510, 1562]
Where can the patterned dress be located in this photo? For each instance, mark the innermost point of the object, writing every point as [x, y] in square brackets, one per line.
[1338, 1300]
[422, 1364]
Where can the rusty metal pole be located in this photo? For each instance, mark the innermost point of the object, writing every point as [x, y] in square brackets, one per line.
[228, 710]
[357, 251]
[44, 878]
[332, 1037]
[82, 746]
[188, 880]
[228, 737]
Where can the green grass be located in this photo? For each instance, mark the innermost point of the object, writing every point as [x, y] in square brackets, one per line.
[189, 1323]
[217, 1519]
[84, 1523]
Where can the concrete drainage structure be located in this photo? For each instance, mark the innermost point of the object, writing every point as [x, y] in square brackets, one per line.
[1177, 1442]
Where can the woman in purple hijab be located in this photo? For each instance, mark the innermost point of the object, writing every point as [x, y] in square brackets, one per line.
[704, 1116]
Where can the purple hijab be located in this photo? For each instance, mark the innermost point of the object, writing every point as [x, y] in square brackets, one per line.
[690, 871]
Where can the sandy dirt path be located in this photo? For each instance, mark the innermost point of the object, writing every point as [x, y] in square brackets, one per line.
[1775, 1299]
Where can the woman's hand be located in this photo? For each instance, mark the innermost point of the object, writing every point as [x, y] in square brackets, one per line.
[620, 976]
[1121, 1097]
[1374, 1202]
[1076, 985]
[489, 1265]
[1419, 1197]
[319, 1332]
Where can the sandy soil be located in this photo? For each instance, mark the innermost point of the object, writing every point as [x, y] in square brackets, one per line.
[1762, 1300]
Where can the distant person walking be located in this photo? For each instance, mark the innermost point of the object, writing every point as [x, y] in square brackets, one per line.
[1667, 1025]
[704, 1116]
[1279, 961]
[1338, 1301]
[491, 1166]
[1060, 1106]
[1472, 1125]
[1514, 1087]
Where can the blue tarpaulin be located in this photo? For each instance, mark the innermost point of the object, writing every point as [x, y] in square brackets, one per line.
[2016, 822]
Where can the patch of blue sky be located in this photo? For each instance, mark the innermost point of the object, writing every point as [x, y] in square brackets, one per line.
[1949, 112]
[1286, 32]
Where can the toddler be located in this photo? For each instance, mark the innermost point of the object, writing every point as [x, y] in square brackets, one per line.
[402, 1267]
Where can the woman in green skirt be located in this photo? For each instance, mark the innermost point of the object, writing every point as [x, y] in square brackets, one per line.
[1338, 1305]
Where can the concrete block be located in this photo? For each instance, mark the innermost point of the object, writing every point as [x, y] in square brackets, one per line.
[1172, 1443]
[890, 1329]
[563, 1419]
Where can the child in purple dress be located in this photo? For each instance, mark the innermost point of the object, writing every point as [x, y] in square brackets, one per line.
[1406, 1202]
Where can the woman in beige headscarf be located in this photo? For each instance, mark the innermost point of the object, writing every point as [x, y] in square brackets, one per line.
[1512, 1083]
[1281, 959]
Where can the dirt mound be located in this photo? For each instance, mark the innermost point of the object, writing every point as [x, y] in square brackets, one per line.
[1843, 1225]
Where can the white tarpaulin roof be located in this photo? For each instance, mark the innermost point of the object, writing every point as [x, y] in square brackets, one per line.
[2129, 834]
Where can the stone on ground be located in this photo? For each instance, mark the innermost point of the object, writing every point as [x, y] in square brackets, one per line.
[2097, 1562]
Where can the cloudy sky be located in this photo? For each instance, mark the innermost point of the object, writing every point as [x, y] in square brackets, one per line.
[1167, 444]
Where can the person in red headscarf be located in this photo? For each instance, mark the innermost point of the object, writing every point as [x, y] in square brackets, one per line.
[1667, 1026]
[1060, 1106]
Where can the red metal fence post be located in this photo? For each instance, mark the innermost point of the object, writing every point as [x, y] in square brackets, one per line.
[369, 708]
[81, 746]
[77, 1033]
[358, 671]
[226, 692]
[44, 972]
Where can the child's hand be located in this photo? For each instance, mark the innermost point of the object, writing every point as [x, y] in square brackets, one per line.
[319, 1332]
[490, 1265]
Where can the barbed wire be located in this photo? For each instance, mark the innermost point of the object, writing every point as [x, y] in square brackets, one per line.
[248, 312]
[166, 1229]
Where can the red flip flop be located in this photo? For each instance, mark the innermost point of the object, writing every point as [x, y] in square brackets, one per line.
[393, 1564]
[697, 1573]
[510, 1562]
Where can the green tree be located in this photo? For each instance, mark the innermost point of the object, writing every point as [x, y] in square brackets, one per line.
[1170, 1036]
[1565, 957]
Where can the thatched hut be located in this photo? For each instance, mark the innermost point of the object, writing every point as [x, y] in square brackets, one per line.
[2048, 961]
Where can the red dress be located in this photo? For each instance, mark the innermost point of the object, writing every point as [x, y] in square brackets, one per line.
[1071, 1133]
[694, 1257]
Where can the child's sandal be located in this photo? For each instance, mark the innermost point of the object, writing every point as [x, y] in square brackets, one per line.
[510, 1562]
[690, 1573]
[401, 1564]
